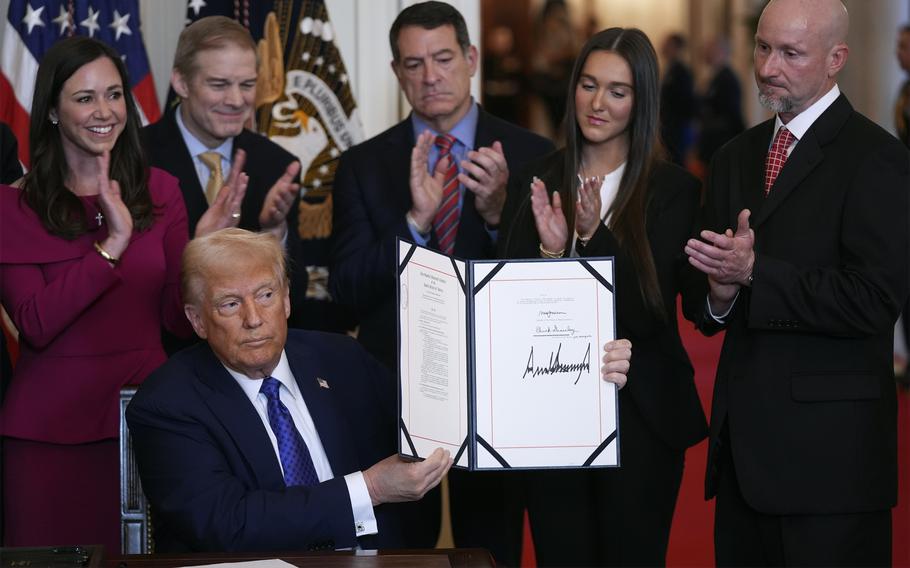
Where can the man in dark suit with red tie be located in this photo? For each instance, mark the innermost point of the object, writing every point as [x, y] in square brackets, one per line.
[806, 250]
[437, 178]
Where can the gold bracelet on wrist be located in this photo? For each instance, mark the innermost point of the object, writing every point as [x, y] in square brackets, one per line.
[106, 255]
[547, 254]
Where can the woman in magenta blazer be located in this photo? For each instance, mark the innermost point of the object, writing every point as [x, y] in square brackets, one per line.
[90, 245]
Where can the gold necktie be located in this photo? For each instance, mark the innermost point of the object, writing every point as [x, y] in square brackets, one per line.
[212, 161]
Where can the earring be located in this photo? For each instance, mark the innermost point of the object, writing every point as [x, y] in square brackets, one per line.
[54, 121]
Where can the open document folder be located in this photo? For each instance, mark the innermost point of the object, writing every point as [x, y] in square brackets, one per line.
[499, 361]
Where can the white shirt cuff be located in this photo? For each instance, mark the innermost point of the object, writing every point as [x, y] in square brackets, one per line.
[721, 318]
[361, 504]
[417, 236]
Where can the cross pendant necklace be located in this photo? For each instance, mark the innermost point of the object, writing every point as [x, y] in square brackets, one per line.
[99, 217]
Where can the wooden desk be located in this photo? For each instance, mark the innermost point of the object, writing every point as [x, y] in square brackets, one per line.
[52, 557]
[435, 558]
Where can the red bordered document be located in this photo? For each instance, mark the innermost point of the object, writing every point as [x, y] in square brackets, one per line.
[499, 361]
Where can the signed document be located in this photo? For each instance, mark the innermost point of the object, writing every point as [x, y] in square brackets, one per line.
[500, 360]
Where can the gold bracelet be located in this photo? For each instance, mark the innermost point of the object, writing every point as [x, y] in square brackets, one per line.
[547, 254]
[106, 255]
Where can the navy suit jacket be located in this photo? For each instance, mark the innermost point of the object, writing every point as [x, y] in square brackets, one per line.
[372, 196]
[265, 163]
[209, 469]
[805, 382]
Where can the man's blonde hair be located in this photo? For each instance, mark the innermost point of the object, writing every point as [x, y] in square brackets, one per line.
[228, 248]
[212, 32]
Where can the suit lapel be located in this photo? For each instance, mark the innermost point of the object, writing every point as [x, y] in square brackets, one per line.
[807, 155]
[180, 164]
[334, 432]
[396, 159]
[752, 171]
[230, 404]
[470, 223]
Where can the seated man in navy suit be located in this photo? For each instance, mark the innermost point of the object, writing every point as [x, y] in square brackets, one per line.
[264, 439]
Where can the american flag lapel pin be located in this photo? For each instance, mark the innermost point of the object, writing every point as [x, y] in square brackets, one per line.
[322, 382]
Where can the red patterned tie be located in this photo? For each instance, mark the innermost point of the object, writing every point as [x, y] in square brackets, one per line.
[445, 223]
[777, 156]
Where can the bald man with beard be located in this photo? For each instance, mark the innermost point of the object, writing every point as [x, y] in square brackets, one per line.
[806, 250]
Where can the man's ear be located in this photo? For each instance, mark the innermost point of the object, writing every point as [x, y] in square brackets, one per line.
[838, 58]
[396, 69]
[287, 302]
[472, 56]
[195, 320]
[179, 84]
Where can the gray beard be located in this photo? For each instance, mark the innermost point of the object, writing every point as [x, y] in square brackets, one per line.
[782, 104]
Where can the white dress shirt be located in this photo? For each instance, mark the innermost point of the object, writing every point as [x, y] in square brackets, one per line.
[290, 395]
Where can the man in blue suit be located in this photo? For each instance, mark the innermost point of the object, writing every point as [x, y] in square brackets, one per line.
[261, 439]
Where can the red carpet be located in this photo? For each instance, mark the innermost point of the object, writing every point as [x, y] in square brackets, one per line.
[691, 539]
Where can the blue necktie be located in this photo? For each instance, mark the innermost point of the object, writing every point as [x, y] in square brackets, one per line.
[295, 457]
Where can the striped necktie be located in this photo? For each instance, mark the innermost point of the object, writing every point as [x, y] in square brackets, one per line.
[445, 223]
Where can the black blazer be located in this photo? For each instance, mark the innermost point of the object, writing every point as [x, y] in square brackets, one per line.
[372, 196]
[661, 379]
[805, 380]
[265, 163]
[210, 471]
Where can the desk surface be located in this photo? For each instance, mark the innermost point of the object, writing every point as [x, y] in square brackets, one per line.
[436, 558]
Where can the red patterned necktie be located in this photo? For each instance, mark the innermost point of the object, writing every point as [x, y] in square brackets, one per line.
[445, 223]
[777, 156]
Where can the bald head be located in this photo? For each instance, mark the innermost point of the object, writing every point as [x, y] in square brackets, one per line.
[825, 20]
[800, 47]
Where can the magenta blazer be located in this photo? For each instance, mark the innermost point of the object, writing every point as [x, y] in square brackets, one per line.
[86, 329]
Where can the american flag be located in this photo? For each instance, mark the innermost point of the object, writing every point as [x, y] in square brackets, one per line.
[32, 26]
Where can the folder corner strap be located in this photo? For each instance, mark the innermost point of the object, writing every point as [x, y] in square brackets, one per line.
[493, 452]
[407, 257]
[596, 274]
[603, 446]
[407, 436]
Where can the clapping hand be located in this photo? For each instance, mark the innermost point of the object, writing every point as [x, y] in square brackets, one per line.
[279, 200]
[224, 212]
[119, 219]
[548, 217]
[485, 173]
[726, 258]
[587, 208]
[426, 189]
